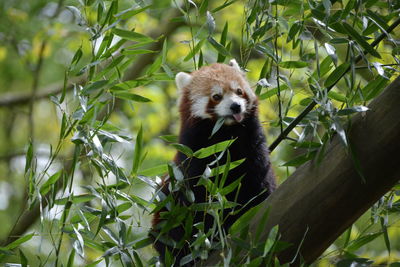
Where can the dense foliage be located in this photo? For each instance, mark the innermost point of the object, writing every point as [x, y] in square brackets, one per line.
[89, 118]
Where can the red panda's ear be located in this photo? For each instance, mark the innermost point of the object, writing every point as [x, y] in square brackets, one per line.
[235, 65]
[182, 80]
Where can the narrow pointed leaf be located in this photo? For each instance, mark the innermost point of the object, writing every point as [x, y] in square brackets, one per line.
[360, 40]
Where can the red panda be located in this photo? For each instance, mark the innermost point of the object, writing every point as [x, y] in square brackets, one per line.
[206, 95]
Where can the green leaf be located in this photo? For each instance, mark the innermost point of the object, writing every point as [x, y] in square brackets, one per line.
[338, 97]
[293, 64]
[293, 31]
[136, 52]
[126, 14]
[141, 243]
[29, 157]
[208, 151]
[76, 199]
[385, 234]
[77, 56]
[300, 160]
[124, 86]
[132, 97]
[219, 123]
[220, 169]
[195, 50]
[184, 149]
[244, 220]
[338, 73]
[347, 9]
[133, 36]
[226, 4]
[137, 155]
[272, 92]
[349, 111]
[19, 241]
[155, 66]
[169, 138]
[360, 40]
[52, 180]
[203, 7]
[224, 35]
[232, 186]
[23, 259]
[379, 21]
[220, 48]
[153, 171]
[71, 258]
[337, 126]
[373, 88]
[94, 87]
[272, 236]
[363, 240]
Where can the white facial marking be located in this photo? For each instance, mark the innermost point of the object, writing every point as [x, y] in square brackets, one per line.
[223, 109]
[216, 89]
[234, 85]
[183, 79]
[199, 107]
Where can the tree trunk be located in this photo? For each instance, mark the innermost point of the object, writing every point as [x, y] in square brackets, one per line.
[319, 202]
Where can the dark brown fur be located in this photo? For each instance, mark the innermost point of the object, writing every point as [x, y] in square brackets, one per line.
[258, 179]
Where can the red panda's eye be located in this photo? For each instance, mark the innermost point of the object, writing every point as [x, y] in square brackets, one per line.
[217, 97]
[239, 91]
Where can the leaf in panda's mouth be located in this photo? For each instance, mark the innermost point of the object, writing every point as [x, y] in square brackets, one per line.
[217, 125]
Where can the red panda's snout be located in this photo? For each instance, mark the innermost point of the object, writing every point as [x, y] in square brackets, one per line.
[216, 91]
[232, 107]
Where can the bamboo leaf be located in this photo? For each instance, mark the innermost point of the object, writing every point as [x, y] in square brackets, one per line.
[300, 160]
[360, 40]
[220, 48]
[137, 154]
[130, 35]
[337, 74]
[169, 138]
[94, 87]
[293, 64]
[52, 180]
[338, 97]
[363, 240]
[132, 97]
[153, 171]
[273, 91]
[224, 34]
[211, 150]
[127, 52]
[349, 111]
[195, 50]
[126, 14]
[184, 149]
[19, 241]
[385, 234]
[217, 126]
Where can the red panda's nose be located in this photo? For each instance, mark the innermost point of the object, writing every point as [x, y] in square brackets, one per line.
[236, 108]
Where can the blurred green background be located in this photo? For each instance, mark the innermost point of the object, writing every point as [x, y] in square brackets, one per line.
[38, 42]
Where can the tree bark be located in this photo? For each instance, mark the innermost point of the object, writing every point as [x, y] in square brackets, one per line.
[319, 202]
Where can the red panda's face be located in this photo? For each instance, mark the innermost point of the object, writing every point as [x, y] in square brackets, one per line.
[216, 91]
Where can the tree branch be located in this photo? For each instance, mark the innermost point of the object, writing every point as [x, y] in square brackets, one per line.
[319, 202]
